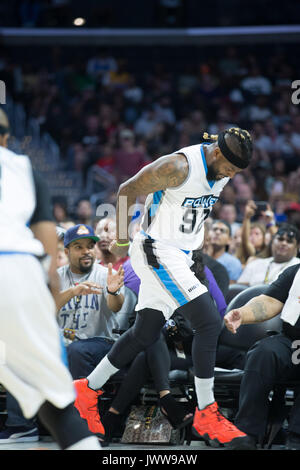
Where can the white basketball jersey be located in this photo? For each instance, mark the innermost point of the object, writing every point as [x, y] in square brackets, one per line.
[17, 204]
[176, 215]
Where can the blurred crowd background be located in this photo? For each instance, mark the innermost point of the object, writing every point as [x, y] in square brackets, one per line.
[112, 110]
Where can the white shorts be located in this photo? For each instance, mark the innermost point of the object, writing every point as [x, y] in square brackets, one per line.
[167, 281]
[31, 364]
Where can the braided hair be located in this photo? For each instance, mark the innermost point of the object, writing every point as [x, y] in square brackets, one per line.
[235, 144]
[199, 266]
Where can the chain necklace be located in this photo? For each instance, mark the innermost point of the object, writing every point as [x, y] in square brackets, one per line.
[266, 280]
[70, 332]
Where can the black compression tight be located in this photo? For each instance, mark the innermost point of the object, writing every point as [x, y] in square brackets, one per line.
[142, 334]
[65, 425]
[205, 320]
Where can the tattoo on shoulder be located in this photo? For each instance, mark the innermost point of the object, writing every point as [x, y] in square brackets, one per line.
[174, 172]
[259, 311]
[166, 172]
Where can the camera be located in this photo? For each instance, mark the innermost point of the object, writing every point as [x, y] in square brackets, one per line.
[261, 206]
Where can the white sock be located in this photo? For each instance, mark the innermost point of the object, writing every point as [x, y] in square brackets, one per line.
[88, 443]
[101, 374]
[204, 391]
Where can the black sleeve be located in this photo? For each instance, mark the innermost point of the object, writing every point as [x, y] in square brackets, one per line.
[280, 288]
[43, 208]
[219, 271]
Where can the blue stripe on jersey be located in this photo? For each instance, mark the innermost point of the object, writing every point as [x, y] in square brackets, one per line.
[212, 182]
[161, 272]
[170, 285]
[156, 200]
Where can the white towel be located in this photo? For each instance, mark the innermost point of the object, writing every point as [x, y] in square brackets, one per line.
[291, 310]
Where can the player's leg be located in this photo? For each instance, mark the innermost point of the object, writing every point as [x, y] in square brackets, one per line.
[144, 332]
[32, 368]
[67, 428]
[209, 423]
[181, 289]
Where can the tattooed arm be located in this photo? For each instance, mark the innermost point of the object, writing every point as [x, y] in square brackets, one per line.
[168, 171]
[258, 309]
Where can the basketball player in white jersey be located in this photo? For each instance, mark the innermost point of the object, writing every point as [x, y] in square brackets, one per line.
[182, 189]
[31, 363]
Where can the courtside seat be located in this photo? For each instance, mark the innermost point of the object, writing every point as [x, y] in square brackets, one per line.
[234, 290]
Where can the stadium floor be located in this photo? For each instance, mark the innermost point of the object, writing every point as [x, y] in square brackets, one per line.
[50, 445]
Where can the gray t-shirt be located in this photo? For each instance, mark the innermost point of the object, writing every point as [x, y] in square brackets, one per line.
[91, 317]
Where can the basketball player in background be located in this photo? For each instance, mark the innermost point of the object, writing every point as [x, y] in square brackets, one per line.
[181, 190]
[31, 364]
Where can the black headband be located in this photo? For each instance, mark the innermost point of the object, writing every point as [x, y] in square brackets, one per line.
[228, 154]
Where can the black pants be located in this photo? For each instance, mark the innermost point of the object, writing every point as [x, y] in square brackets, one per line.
[152, 363]
[85, 354]
[204, 319]
[156, 362]
[267, 362]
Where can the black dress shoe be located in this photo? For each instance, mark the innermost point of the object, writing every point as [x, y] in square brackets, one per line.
[247, 443]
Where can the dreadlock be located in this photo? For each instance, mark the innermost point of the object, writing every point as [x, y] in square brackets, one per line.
[235, 144]
[198, 267]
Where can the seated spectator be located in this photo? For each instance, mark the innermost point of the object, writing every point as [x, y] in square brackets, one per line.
[284, 249]
[106, 160]
[220, 236]
[62, 258]
[288, 146]
[100, 66]
[255, 83]
[106, 231]
[235, 244]
[131, 280]
[219, 272]
[60, 211]
[128, 159]
[89, 301]
[259, 111]
[228, 213]
[67, 224]
[84, 212]
[146, 123]
[269, 360]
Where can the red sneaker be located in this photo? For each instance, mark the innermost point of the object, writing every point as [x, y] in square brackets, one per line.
[216, 430]
[87, 404]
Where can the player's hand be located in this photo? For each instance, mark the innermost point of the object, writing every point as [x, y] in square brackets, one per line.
[118, 251]
[233, 320]
[115, 280]
[250, 209]
[87, 287]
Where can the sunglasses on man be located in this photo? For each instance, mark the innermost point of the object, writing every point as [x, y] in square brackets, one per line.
[289, 237]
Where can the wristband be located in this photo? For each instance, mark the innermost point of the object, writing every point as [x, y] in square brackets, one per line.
[113, 293]
[122, 244]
